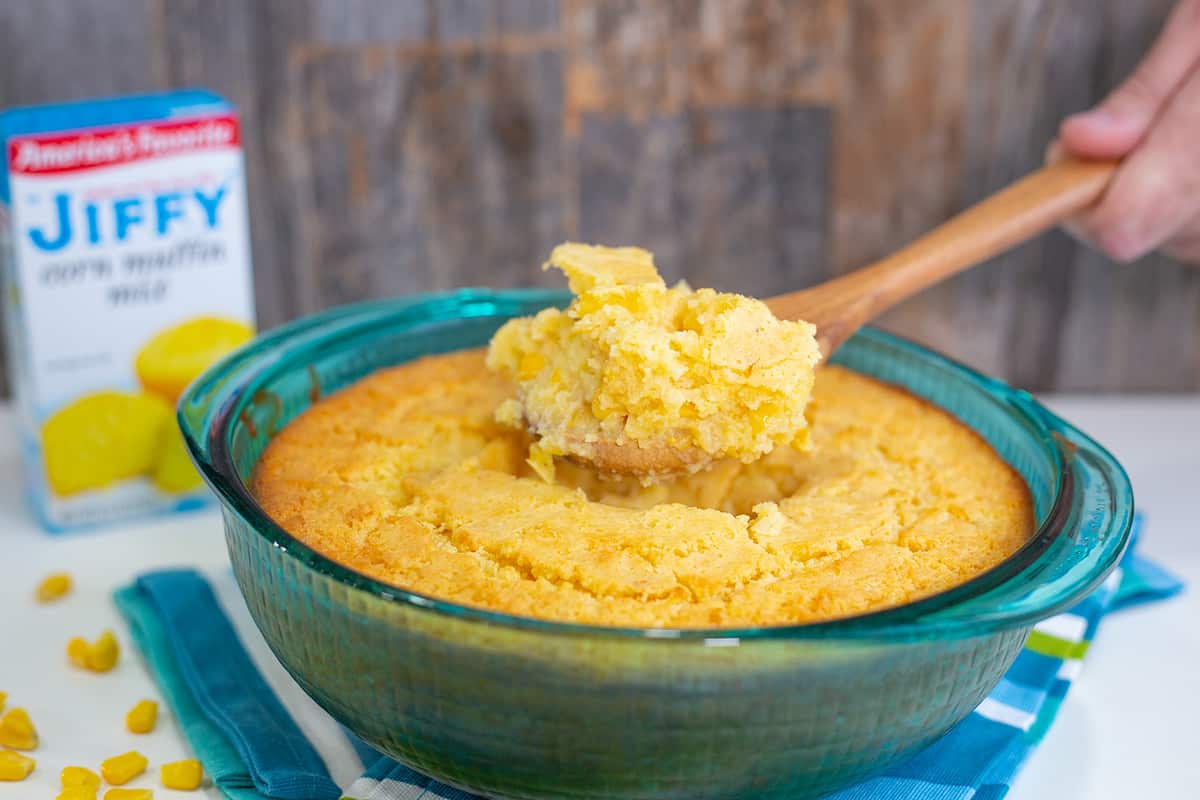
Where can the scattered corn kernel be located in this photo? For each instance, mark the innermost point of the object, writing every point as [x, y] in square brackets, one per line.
[77, 793]
[77, 651]
[122, 769]
[103, 655]
[14, 766]
[80, 776]
[53, 587]
[129, 794]
[185, 775]
[141, 718]
[98, 656]
[17, 731]
[3, 699]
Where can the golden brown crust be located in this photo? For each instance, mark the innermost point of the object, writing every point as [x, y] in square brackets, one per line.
[895, 501]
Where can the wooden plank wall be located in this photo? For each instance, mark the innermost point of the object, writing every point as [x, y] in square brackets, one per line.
[405, 145]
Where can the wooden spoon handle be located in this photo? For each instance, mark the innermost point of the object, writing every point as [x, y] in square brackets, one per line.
[1038, 201]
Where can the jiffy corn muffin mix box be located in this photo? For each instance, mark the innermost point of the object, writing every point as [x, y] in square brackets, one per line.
[125, 242]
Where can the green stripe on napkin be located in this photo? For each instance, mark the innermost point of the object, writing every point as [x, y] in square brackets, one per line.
[1055, 647]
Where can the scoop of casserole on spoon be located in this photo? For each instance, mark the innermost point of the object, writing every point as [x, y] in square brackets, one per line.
[639, 379]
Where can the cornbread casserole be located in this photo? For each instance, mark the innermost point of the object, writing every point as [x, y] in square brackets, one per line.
[406, 476]
[634, 363]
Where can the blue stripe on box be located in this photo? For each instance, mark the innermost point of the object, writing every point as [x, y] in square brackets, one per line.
[231, 692]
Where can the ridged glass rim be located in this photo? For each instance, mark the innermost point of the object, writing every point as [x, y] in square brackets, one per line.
[253, 363]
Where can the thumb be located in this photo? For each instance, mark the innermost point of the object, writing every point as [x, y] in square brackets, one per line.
[1114, 127]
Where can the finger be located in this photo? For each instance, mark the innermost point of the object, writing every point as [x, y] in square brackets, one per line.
[1056, 152]
[1156, 191]
[1114, 127]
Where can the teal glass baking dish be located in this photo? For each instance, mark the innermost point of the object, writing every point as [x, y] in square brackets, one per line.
[512, 707]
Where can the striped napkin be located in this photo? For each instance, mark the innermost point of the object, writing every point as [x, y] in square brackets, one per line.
[259, 736]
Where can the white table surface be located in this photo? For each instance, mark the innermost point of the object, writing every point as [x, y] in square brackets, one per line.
[1129, 728]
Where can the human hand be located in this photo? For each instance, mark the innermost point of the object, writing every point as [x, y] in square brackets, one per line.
[1152, 121]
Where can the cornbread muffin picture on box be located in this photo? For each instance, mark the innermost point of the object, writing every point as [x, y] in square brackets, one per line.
[175, 357]
[111, 436]
[166, 365]
[424, 476]
[126, 255]
[103, 438]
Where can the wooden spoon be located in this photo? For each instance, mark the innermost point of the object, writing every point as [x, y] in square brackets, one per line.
[841, 306]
